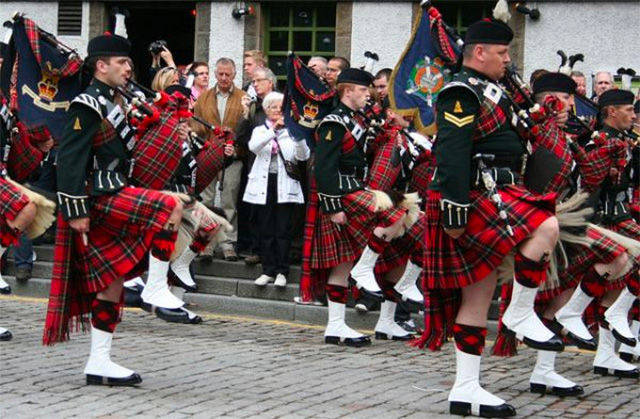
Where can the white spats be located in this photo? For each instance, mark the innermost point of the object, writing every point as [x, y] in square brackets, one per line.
[362, 272]
[570, 315]
[99, 363]
[544, 372]
[156, 291]
[180, 267]
[336, 325]
[386, 326]
[467, 388]
[520, 317]
[606, 361]
[407, 284]
[617, 316]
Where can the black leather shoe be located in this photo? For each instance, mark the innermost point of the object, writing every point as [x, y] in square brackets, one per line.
[6, 290]
[557, 391]
[6, 336]
[173, 277]
[378, 295]
[412, 305]
[384, 336]
[354, 342]
[634, 373]
[177, 315]
[23, 274]
[558, 329]
[554, 344]
[131, 380]
[622, 339]
[464, 409]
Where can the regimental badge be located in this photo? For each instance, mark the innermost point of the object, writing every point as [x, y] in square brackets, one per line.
[76, 125]
[309, 114]
[458, 107]
[47, 90]
[427, 78]
[329, 136]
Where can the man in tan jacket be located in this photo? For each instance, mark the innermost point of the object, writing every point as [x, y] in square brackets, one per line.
[222, 105]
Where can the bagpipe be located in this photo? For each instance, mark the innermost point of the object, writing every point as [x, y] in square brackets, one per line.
[417, 144]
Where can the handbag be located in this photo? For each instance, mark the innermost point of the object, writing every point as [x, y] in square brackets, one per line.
[292, 168]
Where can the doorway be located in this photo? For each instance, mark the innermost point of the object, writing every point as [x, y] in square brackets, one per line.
[172, 21]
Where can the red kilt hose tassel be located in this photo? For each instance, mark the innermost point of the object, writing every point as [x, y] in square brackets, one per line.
[12, 201]
[123, 226]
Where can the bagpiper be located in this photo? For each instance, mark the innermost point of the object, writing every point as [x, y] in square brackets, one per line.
[477, 213]
[352, 221]
[106, 228]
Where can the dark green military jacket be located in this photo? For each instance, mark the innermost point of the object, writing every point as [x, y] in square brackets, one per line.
[340, 162]
[93, 157]
[473, 115]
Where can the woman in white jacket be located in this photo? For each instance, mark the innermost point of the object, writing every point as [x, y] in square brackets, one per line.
[273, 191]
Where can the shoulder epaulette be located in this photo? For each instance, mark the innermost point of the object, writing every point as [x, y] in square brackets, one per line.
[89, 101]
[455, 84]
[333, 118]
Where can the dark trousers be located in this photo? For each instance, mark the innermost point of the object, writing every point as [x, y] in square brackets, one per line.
[274, 225]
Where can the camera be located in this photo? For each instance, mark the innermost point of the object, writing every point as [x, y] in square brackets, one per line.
[156, 47]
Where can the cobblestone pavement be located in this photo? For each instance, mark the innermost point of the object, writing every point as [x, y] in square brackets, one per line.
[238, 367]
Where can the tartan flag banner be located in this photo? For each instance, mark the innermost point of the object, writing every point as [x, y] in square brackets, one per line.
[423, 69]
[307, 100]
[40, 78]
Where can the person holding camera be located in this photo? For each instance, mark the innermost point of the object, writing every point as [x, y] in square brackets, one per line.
[159, 53]
[274, 188]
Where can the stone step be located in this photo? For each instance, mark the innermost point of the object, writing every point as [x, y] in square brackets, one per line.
[222, 295]
[215, 267]
[229, 304]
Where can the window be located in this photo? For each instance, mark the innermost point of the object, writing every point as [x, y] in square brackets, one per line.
[307, 29]
[70, 18]
[461, 14]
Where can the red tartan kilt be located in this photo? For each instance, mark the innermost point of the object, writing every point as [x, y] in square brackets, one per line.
[120, 235]
[400, 249]
[581, 260]
[457, 263]
[210, 162]
[333, 246]
[12, 201]
[421, 178]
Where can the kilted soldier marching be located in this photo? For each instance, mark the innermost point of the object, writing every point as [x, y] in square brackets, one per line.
[106, 229]
[614, 299]
[397, 153]
[174, 170]
[351, 218]
[477, 213]
[590, 253]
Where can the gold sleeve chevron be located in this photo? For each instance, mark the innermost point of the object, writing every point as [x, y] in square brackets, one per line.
[458, 122]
